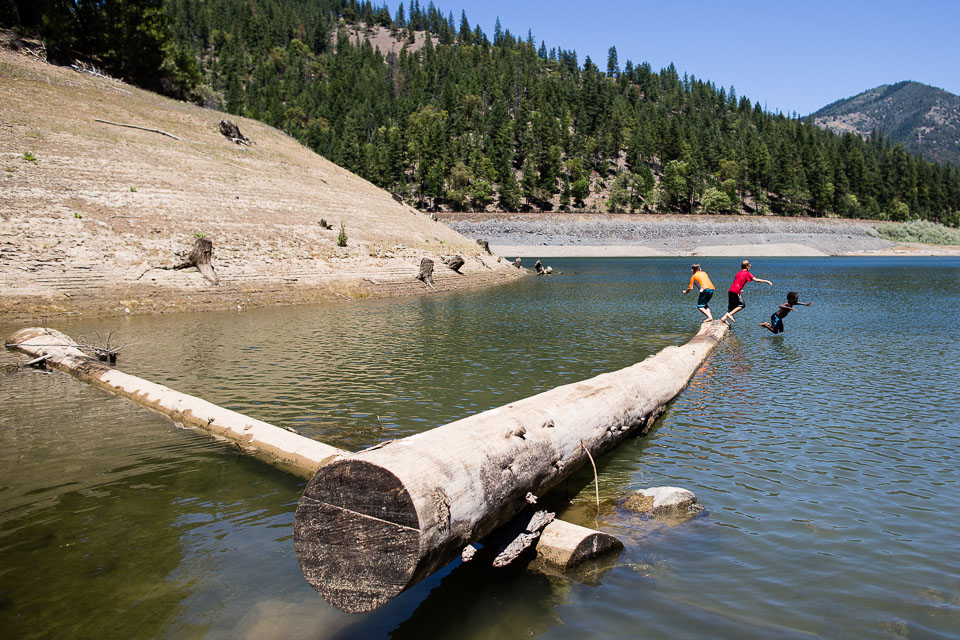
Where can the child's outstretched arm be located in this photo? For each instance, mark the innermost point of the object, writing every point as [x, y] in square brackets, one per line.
[762, 280]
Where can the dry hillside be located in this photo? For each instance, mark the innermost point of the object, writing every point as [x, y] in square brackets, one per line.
[87, 207]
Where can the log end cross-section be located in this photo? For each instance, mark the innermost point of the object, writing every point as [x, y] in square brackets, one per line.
[357, 535]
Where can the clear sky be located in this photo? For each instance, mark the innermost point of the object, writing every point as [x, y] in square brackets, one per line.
[792, 56]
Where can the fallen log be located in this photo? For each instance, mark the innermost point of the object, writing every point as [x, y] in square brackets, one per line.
[134, 126]
[291, 451]
[370, 525]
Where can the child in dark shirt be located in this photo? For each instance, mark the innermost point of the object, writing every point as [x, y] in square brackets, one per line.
[776, 320]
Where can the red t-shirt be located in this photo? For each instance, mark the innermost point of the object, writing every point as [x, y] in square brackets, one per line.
[742, 278]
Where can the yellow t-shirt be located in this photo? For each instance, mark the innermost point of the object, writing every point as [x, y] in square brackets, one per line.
[703, 279]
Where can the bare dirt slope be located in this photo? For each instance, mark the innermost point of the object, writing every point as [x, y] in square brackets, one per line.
[87, 207]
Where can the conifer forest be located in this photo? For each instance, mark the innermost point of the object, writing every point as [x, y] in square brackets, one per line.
[465, 121]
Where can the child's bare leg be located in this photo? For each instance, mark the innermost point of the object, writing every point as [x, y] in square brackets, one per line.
[767, 326]
[706, 312]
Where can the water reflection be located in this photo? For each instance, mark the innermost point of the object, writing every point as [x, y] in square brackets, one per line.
[825, 458]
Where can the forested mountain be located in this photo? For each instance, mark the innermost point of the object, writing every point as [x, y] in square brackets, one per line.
[924, 119]
[461, 120]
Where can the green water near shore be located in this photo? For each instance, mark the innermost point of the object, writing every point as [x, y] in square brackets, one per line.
[826, 459]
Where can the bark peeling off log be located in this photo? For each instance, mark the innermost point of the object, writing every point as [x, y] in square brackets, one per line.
[387, 497]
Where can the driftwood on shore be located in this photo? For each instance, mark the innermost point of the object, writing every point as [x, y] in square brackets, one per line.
[370, 525]
[134, 126]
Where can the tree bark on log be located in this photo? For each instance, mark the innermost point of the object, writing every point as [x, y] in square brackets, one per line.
[290, 451]
[370, 525]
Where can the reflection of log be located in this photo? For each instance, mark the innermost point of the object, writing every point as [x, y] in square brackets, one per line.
[289, 450]
[372, 524]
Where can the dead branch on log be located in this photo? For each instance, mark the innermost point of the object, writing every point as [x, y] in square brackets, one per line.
[596, 482]
[133, 126]
[232, 131]
[201, 257]
[539, 520]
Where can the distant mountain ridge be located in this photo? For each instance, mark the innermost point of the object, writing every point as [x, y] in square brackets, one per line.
[924, 119]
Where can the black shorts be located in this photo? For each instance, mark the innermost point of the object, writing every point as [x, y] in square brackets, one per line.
[776, 323]
[734, 301]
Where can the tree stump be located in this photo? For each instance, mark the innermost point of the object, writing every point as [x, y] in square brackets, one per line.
[538, 268]
[232, 131]
[517, 263]
[485, 245]
[426, 271]
[454, 262]
[202, 258]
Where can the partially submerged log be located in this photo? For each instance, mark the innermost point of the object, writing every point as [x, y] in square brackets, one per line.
[370, 525]
[232, 131]
[539, 520]
[289, 450]
[564, 545]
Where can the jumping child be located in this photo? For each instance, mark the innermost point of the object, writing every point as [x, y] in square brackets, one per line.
[776, 320]
[701, 280]
[735, 301]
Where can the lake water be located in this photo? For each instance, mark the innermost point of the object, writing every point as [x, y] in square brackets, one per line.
[826, 459]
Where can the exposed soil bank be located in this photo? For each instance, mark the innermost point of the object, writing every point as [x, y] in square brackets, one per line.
[86, 208]
[610, 235]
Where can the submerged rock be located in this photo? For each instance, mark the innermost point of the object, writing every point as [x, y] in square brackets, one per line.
[664, 501]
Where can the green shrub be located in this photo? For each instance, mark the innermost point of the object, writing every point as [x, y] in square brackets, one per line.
[29, 157]
[919, 231]
[342, 238]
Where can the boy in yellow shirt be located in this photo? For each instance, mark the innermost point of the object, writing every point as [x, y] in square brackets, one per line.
[701, 280]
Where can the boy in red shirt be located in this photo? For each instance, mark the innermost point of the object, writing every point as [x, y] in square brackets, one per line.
[735, 295]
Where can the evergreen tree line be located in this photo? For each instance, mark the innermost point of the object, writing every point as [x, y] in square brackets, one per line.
[465, 122]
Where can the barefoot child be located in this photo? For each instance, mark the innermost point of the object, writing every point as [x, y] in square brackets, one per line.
[735, 301]
[776, 320]
[702, 282]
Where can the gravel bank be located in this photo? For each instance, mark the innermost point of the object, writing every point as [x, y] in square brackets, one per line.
[670, 235]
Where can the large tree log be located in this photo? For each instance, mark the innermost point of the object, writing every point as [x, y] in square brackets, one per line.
[370, 525]
[281, 447]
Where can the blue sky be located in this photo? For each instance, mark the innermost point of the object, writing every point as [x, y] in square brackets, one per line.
[792, 56]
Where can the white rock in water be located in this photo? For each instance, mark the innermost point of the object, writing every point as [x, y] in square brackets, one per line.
[668, 500]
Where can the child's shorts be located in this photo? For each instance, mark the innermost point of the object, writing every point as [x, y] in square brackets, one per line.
[776, 323]
[734, 300]
[703, 300]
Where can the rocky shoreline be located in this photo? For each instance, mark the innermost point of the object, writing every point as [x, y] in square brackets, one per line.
[610, 235]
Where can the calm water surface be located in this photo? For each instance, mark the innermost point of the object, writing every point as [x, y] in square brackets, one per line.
[826, 458]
